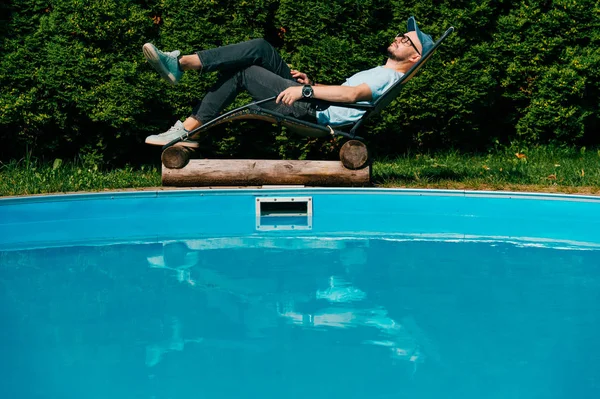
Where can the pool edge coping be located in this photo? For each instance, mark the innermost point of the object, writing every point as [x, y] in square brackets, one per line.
[270, 190]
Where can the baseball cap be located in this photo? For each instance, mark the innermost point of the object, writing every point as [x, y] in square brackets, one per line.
[426, 40]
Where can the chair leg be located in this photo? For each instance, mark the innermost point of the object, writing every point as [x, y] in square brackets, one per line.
[354, 154]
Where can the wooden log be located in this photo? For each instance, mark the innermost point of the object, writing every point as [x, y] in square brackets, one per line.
[176, 157]
[354, 154]
[249, 172]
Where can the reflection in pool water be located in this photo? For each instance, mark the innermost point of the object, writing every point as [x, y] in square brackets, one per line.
[300, 317]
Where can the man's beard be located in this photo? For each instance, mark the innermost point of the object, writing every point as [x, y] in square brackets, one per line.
[393, 57]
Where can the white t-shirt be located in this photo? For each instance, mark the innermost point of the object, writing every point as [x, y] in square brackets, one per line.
[379, 79]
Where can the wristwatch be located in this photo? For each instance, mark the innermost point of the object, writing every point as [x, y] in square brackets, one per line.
[307, 91]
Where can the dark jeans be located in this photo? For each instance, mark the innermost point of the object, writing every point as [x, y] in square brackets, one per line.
[254, 66]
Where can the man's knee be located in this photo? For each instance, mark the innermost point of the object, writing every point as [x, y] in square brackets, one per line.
[262, 44]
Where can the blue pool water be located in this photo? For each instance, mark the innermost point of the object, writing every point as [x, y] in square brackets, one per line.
[416, 302]
[300, 318]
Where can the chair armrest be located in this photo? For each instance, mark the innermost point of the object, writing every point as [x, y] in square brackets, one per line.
[324, 104]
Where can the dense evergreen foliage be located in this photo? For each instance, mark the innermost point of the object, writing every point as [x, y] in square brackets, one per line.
[74, 80]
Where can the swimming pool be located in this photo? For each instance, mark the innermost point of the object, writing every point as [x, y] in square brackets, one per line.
[300, 293]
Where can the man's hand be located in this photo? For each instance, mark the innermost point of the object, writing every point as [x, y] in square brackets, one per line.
[290, 95]
[300, 77]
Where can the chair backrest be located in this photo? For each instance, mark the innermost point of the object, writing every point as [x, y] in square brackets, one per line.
[393, 92]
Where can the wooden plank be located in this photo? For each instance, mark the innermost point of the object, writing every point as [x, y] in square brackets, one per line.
[254, 172]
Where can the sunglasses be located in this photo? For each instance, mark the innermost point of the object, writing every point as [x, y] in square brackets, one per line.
[406, 41]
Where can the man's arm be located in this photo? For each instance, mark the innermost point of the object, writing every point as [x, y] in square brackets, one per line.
[338, 94]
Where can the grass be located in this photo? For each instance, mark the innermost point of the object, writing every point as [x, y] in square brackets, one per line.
[543, 169]
[30, 176]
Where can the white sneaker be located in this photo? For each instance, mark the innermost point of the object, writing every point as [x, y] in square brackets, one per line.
[176, 131]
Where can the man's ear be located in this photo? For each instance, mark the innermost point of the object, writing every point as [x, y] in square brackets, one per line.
[414, 58]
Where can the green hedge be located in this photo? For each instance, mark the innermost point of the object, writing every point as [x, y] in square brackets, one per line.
[74, 81]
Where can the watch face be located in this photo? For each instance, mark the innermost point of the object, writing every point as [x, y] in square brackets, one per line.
[307, 91]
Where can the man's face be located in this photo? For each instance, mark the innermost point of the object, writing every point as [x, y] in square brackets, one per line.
[404, 47]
